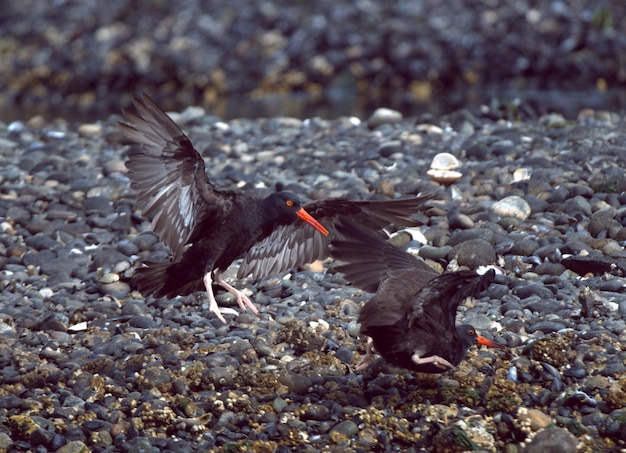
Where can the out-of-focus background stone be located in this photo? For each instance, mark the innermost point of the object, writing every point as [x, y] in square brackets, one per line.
[84, 59]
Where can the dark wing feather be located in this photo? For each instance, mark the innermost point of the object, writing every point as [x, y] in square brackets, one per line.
[169, 176]
[368, 259]
[436, 304]
[297, 243]
[392, 301]
[373, 214]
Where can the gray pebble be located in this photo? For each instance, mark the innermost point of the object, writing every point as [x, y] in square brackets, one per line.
[545, 327]
[316, 412]
[602, 220]
[346, 428]
[577, 205]
[524, 247]
[389, 148]
[473, 253]
[550, 269]
[613, 369]
[143, 322]
[384, 116]
[98, 204]
[459, 236]
[144, 242]
[532, 289]
[552, 440]
[512, 206]
[434, 253]
[296, 383]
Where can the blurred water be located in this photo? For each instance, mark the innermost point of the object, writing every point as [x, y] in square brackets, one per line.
[338, 103]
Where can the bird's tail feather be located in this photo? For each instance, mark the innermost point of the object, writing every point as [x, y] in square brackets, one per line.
[165, 279]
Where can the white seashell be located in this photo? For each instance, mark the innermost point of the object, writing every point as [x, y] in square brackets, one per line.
[444, 161]
[521, 174]
[512, 374]
[444, 176]
[442, 169]
[81, 326]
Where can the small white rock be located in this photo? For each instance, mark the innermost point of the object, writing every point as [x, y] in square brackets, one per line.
[442, 169]
[89, 130]
[521, 174]
[513, 206]
[46, 292]
[81, 326]
[445, 161]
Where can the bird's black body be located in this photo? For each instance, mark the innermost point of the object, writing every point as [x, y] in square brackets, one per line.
[412, 315]
[206, 227]
[217, 246]
[426, 325]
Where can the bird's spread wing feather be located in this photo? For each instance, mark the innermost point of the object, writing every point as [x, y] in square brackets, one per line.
[295, 244]
[373, 214]
[369, 260]
[392, 300]
[169, 176]
[286, 247]
[436, 304]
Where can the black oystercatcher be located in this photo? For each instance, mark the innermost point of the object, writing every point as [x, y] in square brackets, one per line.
[411, 318]
[207, 228]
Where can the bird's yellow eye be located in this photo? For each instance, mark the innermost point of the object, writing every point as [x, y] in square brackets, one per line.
[289, 203]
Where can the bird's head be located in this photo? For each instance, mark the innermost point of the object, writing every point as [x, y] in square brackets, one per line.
[287, 204]
[469, 337]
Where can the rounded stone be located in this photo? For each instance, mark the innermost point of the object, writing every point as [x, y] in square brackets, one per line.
[512, 206]
[384, 116]
[552, 440]
[473, 253]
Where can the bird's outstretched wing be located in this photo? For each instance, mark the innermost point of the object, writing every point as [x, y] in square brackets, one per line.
[374, 265]
[368, 260]
[169, 176]
[295, 244]
[436, 304]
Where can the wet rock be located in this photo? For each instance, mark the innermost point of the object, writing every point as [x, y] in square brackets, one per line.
[552, 440]
[384, 116]
[513, 206]
[296, 383]
[602, 220]
[525, 291]
[342, 432]
[593, 264]
[389, 148]
[473, 253]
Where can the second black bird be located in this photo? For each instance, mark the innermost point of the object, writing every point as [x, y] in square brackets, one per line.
[410, 320]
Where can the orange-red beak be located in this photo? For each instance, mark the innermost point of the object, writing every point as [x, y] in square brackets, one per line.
[487, 342]
[308, 218]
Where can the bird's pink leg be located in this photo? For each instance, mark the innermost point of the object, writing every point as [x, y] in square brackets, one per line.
[213, 307]
[434, 359]
[367, 360]
[242, 299]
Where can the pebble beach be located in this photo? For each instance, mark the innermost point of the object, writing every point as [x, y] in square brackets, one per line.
[538, 190]
[88, 364]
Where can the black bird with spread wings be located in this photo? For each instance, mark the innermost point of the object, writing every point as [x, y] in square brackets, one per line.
[206, 227]
[411, 318]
